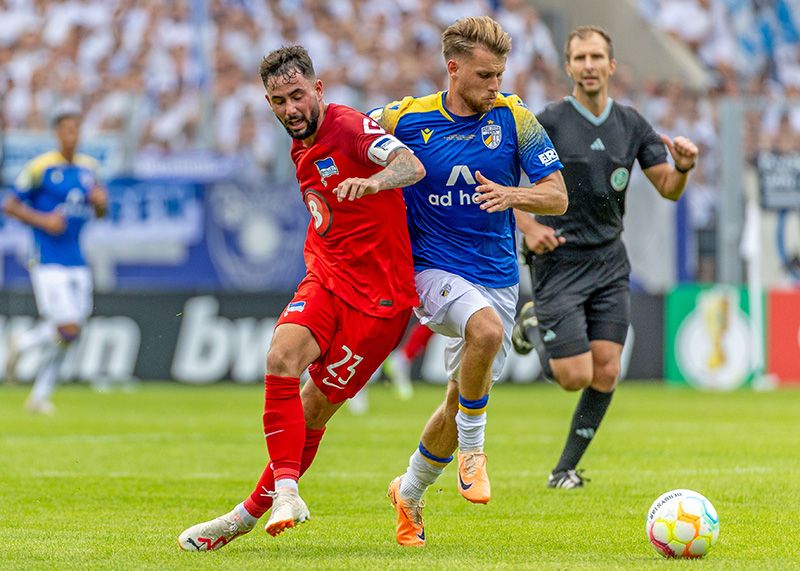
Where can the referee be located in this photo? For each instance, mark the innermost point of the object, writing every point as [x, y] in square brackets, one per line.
[579, 265]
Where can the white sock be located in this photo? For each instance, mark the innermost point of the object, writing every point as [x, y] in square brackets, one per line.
[471, 429]
[287, 483]
[419, 475]
[46, 378]
[248, 520]
[42, 332]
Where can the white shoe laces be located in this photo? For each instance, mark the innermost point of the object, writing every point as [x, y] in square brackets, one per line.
[233, 527]
[228, 524]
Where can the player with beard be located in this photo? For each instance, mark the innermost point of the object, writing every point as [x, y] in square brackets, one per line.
[580, 268]
[473, 141]
[353, 305]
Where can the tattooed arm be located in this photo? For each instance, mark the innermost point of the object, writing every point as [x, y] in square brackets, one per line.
[402, 169]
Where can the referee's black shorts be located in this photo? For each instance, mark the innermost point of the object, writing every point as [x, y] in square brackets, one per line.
[582, 295]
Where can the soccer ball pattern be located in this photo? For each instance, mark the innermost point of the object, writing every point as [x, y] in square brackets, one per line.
[682, 523]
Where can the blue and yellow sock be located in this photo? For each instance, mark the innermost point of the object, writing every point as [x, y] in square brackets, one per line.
[423, 470]
[471, 423]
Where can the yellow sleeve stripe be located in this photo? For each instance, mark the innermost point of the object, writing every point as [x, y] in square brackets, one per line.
[529, 130]
[33, 172]
[387, 116]
[391, 114]
[87, 162]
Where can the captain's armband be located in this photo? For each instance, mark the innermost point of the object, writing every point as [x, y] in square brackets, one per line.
[380, 150]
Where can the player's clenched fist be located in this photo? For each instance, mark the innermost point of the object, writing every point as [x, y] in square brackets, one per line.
[353, 188]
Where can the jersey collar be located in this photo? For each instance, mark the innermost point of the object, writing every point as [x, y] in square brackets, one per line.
[452, 116]
[588, 115]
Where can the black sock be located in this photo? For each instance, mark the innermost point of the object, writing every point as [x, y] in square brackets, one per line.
[590, 411]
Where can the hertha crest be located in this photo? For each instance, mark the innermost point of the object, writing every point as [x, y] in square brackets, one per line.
[327, 168]
[491, 135]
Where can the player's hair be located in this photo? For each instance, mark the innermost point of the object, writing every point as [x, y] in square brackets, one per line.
[584, 32]
[286, 61]
[461, 37]
[56, 121]
[68, 110]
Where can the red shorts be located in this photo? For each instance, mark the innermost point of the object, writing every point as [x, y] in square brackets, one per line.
[353, 344]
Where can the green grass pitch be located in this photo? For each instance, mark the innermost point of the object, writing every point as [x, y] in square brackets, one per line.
[112, 479]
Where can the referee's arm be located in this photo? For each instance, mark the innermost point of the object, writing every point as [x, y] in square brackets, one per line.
[669, 180]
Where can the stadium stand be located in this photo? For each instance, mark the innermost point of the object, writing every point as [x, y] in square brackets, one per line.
[180, 76]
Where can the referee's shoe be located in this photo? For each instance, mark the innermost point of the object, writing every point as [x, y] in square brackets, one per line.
[525, 337]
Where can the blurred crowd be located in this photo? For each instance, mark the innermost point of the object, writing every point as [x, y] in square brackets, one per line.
[751, 48]
[158, 70]
[182, 75]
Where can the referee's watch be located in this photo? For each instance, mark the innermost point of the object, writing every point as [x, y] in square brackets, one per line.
[684, 171]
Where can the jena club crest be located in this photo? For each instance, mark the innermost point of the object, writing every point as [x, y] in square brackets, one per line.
[491, 135]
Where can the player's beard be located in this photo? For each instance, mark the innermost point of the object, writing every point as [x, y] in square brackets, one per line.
[312, 122]
[478, 104]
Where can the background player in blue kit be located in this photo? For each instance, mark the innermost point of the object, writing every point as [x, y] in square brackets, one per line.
[580, 318]
[56, 194]
[473, 141]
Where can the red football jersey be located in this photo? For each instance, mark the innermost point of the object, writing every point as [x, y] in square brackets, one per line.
[360, 249]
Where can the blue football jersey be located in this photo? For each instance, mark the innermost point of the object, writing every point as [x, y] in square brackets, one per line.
[448, 229]
[49, 183]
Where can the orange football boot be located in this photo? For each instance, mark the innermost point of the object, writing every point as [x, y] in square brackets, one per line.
[473, 482]
[410, 529]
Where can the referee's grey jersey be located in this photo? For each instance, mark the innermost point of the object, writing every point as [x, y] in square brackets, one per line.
[598, 155]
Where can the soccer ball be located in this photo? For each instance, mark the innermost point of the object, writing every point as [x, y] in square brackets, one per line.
[682, 523]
